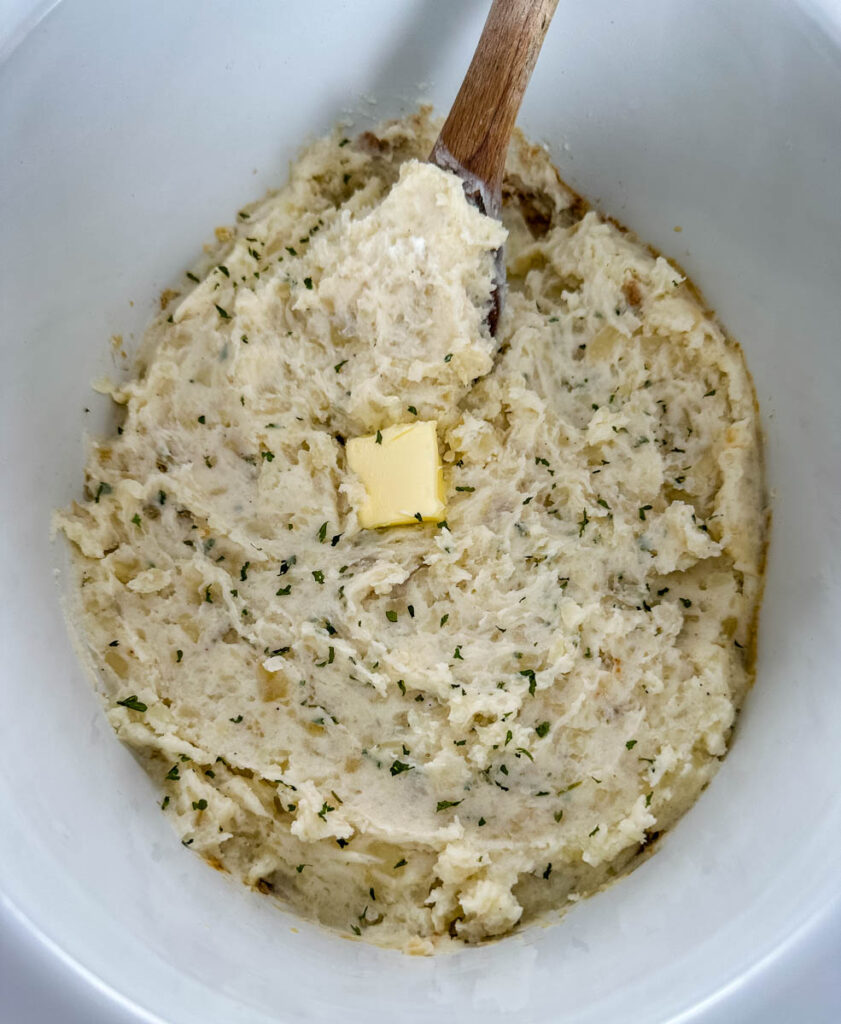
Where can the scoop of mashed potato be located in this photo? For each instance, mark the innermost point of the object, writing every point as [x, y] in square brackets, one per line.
[426, 734]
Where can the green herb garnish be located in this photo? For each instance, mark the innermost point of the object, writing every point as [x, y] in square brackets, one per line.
[133, 703]
[529, 674]
[444, 804]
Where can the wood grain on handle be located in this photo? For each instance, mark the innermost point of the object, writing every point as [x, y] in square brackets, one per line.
[476, 134]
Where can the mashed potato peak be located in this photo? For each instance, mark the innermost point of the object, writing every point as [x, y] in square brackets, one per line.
[429, 733]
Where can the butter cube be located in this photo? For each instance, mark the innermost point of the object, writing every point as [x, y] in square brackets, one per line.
[401, 472]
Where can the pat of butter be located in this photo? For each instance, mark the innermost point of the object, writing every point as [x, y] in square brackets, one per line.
[401, 472]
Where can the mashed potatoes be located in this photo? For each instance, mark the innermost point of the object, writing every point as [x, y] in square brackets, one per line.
[426, 733]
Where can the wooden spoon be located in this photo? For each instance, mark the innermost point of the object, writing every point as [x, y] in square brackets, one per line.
[475, 136]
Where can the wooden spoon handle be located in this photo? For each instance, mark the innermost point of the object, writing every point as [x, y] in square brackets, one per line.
[476, 134]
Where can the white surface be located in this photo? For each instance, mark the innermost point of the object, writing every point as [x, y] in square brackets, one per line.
[804, 985]
[128, 131]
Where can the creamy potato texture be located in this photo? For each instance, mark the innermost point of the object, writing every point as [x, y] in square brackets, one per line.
[426, 734]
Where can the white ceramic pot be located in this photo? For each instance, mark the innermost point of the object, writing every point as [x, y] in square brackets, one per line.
[127, 131]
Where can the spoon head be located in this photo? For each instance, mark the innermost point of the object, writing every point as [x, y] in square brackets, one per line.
[487, 198]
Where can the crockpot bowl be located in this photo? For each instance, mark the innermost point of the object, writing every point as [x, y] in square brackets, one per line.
[130, 130]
